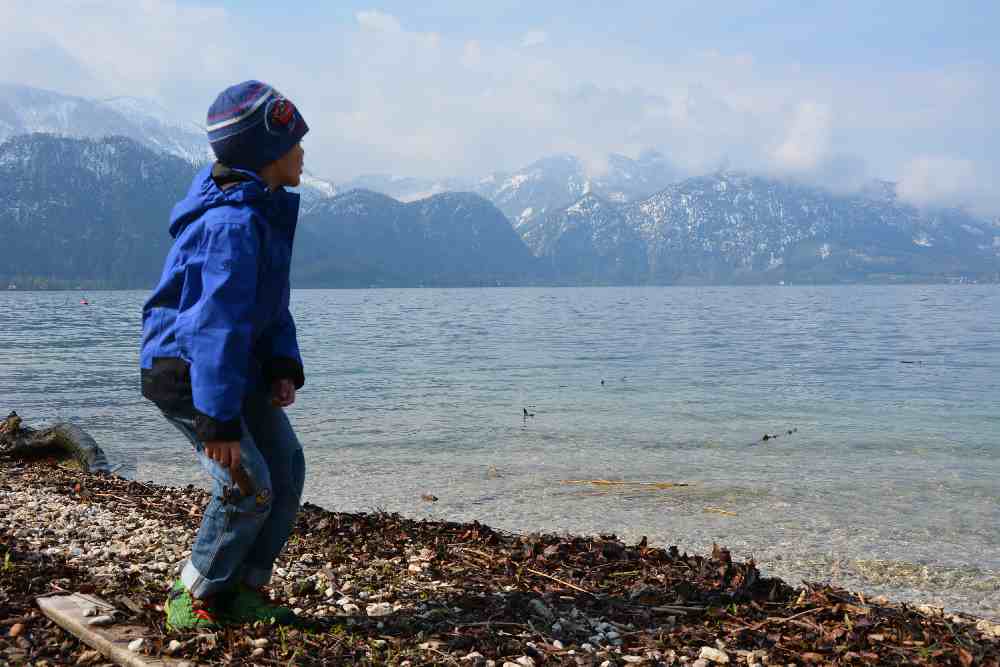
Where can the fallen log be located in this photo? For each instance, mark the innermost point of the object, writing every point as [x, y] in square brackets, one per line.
[65, 442]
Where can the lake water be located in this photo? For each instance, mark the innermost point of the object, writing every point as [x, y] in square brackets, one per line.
[890, 484]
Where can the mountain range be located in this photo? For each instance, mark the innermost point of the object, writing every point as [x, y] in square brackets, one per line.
[86, 187]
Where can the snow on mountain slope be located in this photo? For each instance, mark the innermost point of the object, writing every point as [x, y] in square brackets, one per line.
[161, 130]
[731, 227]
[26, 110]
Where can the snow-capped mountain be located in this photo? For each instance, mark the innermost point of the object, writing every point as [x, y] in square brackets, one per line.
[543, 186]
[313, 190]
[26, 110]
[404, 189]
[557, 181]
[589, 242]
[733, 227]
[94, 212]
[159, 130]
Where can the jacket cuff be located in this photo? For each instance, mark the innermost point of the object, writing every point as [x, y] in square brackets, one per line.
[208, 429]
[284, 368]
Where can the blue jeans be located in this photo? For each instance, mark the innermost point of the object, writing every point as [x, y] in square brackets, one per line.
[241, 536]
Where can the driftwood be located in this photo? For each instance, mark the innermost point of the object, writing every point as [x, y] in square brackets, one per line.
[67, 443]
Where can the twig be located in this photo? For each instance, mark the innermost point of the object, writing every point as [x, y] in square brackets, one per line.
[560, 581]
[478, 553]
[779, 621]
[674, 609]
[449, 657]
[111, 495]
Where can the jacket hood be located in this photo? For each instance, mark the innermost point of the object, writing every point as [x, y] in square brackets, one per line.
[217, 185]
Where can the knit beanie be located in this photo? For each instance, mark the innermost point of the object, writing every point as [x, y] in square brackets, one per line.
[251, 124]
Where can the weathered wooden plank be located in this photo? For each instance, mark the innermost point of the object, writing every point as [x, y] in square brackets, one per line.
[69, 612]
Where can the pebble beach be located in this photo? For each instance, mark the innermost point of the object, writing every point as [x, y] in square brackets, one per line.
[383, 589]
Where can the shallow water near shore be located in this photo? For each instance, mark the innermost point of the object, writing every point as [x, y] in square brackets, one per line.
[890, 482]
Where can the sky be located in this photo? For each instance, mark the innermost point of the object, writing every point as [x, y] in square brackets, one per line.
[824, 92]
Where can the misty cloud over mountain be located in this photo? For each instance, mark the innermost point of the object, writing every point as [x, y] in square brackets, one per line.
[80, 207]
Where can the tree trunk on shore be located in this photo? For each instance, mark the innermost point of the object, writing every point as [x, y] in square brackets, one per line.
[64, 442]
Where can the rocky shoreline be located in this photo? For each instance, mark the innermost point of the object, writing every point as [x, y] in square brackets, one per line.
[383, 589]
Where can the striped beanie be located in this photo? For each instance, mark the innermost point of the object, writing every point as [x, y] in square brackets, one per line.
[251, 124]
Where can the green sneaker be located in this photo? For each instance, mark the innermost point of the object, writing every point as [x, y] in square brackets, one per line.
[247, 605]
[186, 613]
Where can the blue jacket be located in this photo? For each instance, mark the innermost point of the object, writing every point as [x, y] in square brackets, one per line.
[218, 325]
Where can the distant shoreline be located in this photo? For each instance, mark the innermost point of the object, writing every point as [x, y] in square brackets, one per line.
[944, 283]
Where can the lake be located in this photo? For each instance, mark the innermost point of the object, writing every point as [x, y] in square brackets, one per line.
[887, 483]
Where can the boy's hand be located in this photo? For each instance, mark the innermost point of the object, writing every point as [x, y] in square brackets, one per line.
[226, 452]
[282, 393]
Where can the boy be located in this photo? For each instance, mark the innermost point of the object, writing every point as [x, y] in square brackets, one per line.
[220, 358]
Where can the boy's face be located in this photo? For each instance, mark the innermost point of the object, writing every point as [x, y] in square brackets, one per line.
[288, 168]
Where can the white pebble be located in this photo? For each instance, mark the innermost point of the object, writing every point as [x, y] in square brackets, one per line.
[557, 645]
[136, 645]
[172, 647]
[261, 643]
[714, 654]
[379, 609]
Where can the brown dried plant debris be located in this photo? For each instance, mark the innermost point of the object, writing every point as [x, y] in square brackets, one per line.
[384, 589]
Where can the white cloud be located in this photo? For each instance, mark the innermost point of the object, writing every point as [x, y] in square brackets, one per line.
[380, 96]
[932, 179]
[808, 138]
[472, 54]
[117, 47]
[948, 180]
[378, 21]
[534, 38]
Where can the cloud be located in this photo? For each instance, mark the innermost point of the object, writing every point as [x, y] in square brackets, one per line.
[382, 96]
[935, 178]
[117, 47]
[808, 138]
[534, 38]
[950, 180]
[472, 54]
[378, 21]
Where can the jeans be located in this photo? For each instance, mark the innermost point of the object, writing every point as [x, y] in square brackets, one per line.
[241, 535]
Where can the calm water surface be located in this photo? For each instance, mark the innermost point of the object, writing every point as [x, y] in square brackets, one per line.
[889, 485]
